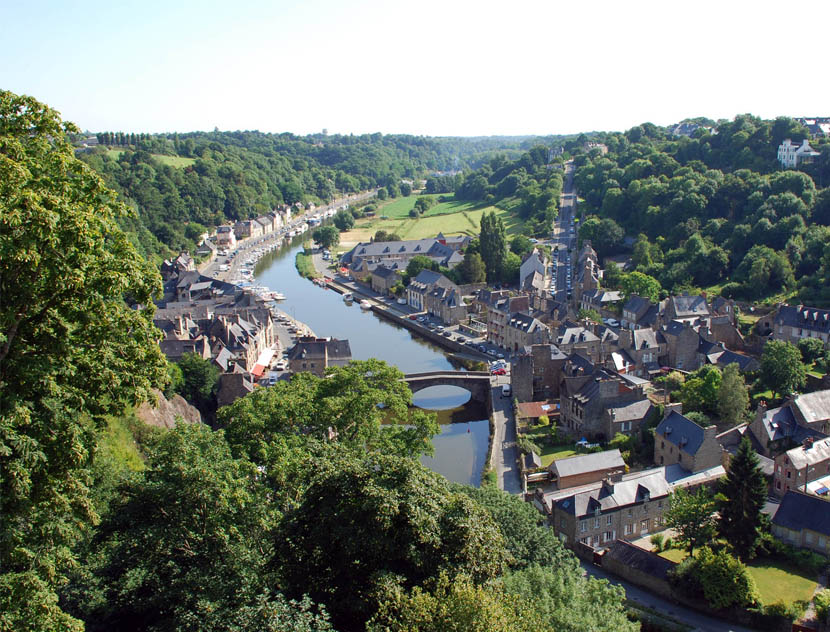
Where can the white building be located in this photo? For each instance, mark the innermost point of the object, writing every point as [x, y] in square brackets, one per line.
[790, 155]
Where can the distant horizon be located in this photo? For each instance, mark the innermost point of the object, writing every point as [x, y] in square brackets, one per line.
[441, 69]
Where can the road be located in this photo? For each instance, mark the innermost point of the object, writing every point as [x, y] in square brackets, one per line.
[699, 621]
[505, 453]
[563, 240]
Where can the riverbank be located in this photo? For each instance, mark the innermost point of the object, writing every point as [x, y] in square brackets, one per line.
[305, 266]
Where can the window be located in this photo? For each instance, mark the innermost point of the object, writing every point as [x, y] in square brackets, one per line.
[608, 535]
[562, 523]
[627, 529]
[630, 511]
[662, 444]
[626, 426]
[583, 526]
[808, 537]
[644, 526]
[777, 484]
[660, 504]
[788, 474]
[821, 541]
[596, 523]
[608, 521]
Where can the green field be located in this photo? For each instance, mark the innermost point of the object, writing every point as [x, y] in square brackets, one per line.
[776, 581]
[450, 218]
[173, 161]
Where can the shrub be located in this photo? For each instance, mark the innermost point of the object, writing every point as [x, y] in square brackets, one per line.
[721, 579]
[822, 603]
[657, 541]
[544, 420]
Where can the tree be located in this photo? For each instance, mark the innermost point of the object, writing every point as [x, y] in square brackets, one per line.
[589, 314]
[700, 390]
[492, 246]
[781, 368]
[811, 349]
[200, 382]
[343, 220]
[71, 350]
[188, 537]
[741, 497]
[326, 236]
[733, 397]
[472, 268]
[641, 285]
[382, 235]
[511, 267]
[521, 245]
[424, 203]
[406, 189]
[691, 515]
[723, 580]
[396, 524]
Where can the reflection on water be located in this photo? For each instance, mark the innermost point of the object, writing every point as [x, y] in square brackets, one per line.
[460, 452]
[441, 397]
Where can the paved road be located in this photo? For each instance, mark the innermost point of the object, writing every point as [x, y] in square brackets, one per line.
[700, 621]
[505, 453]
[562, 237]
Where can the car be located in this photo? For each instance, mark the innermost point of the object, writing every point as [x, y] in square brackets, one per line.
[421, 319]
[499, 371]
[401, 301]
[506, 391]
[413, 317]
[448, 334]
[500, 356]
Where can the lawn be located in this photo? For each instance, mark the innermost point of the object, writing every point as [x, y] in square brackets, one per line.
[551, 453]
[776, 581]
[450, 218]
[173, 161]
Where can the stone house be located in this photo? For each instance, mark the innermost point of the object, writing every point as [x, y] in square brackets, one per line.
[791, 155]
[537, 371]
[447, 304]
[586, 395]
[587, 272]
[232, 386]
[682, 342]
[801, 465]
[171, 268]
[402, 252]
[603, 301]
[382, 279]
[575, 338]
[533, 272]
[423, 284]
[803, 521]
[776, 430]
[639, 312]
[685, 308]
[680, 440]
[314, 355]
[520, 331]
[583, 469]
[645, 347]
[627, 418]
[625, 508]
[792, 323]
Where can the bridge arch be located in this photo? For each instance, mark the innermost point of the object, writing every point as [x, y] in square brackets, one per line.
[476, 382]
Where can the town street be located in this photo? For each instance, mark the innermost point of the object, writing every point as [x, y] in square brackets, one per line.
[505, 453]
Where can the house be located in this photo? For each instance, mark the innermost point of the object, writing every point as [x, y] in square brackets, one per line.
[583, 469]
[225, 237]
[686, 309]
[575, 338]
[682, 343]
[383, 278]
[529, 412]
[625, 508]
[522, 330]
[267, 224]
[247, 228]
[791, 156]
[533, 273]
[792, 323]
[447, 304]
[600, 300]
[587, 392]
[402, 252]
[314, 355]
[232, 386]
[537, 371]
[639, 312]
[205, 249]
[421, 285]
[644, 347]
[173, 267]
[587, 272]
[456, 242]
[627, 418]
[803, 521]
[817, 126]
[776, 430]
[801, 465]
[680, 440]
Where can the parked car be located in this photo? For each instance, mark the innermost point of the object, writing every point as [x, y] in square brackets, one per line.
[401, 301]
[506, 391]
[499, 371]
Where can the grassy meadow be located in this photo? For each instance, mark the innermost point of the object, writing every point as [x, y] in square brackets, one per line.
[174, 161]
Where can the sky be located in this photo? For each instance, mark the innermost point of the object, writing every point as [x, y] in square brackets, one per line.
[432, 67]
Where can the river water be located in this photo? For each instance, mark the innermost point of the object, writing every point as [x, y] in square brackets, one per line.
[461, 448]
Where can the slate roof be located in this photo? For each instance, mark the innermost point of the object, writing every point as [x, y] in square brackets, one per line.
[639, 559]
[644, 339]
[649, 484]
[383, 272]
[571, 335]
[779, 423]
[532, 461]
[814, 406]
[803, 456]
[689, 306]
[431, 248]
[682, 432]
[634, 411]
[637, 305]
[800, 511]
[584, 463]
[526, 323]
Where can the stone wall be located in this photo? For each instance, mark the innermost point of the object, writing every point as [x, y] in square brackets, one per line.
[165, 413]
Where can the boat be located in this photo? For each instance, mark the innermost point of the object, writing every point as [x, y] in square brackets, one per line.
[348, 297]
[278, 296]
[364, 304]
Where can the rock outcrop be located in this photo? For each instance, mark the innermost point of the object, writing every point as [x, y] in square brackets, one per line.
[166, 412]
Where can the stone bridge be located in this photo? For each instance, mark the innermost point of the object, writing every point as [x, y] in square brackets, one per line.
[477, 382]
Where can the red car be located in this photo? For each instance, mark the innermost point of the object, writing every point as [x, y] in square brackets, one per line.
[498, 372]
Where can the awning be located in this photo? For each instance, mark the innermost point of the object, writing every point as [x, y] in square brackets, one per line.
[258, 370]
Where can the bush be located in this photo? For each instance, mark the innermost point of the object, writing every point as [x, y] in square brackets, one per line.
[721, 579]
[544, 420]
[822, 603]
[657, 541]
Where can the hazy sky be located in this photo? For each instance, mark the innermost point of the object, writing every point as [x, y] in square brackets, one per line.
[430, 67]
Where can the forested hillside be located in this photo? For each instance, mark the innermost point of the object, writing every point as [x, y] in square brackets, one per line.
[714, 210]
[182, 184]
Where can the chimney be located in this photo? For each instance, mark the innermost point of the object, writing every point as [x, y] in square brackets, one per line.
[675, 407]
[608, 485]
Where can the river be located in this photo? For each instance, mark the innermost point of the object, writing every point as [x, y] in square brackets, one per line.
[461, 448]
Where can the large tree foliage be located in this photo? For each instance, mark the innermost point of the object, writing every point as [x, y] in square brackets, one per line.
[691, 515]
[733, 397]
[71, 349]
[186, 540]
[740, 499]
[369, 524]
[492, 246]
[781, 368]
[718, 577]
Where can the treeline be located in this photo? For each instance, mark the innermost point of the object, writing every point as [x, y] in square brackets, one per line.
[713, 209]
[182, 184]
